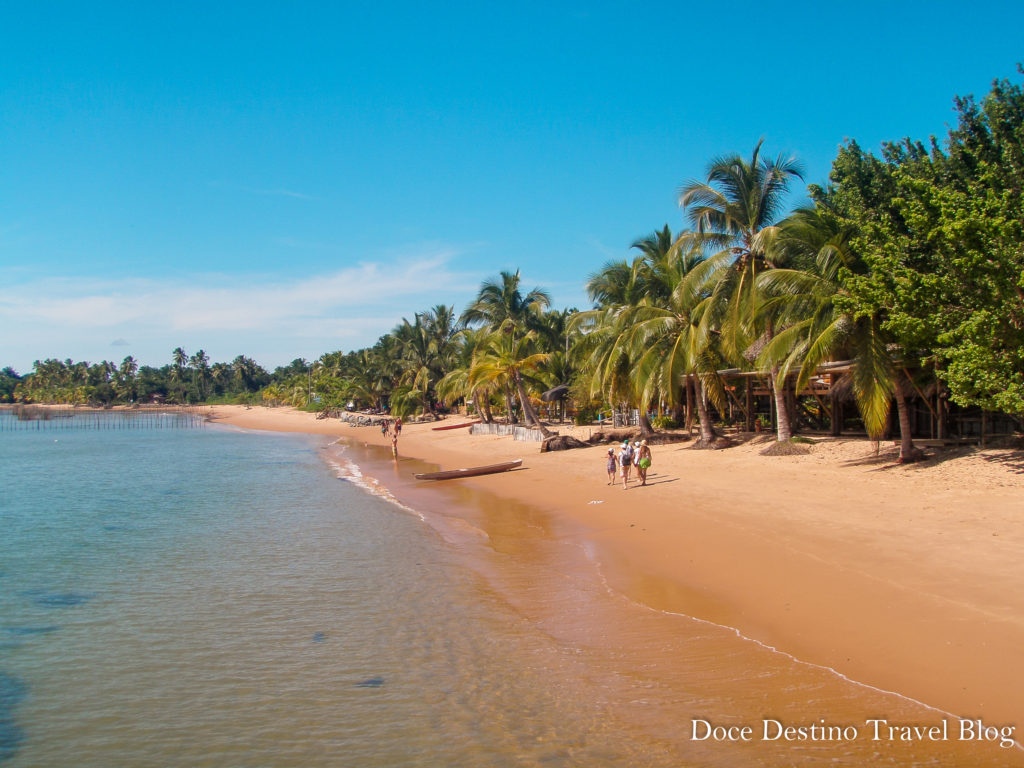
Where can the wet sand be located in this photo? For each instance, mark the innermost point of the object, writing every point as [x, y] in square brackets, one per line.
[904, 579]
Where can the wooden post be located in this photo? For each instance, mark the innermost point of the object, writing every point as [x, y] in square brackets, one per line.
[836, 422]
[749, 383]
[940, 409]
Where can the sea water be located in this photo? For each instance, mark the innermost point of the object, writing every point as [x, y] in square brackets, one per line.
[213, 597]
[210, 597]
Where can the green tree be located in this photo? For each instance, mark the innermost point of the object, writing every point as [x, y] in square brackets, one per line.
[669, 343]
[126, 374]
[200, 365]
[455, 384]
[501, 306]
[509, 360]
[9, 380]
[733, 212]
[812, 304]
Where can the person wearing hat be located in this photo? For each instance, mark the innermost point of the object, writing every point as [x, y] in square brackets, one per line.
[643, 462]
[610, 466]
[625, 461]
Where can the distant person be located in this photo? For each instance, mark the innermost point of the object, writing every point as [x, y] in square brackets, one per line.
[643, 462]
[384, 428]
[610, 466]
[398, 426]
[394, 445]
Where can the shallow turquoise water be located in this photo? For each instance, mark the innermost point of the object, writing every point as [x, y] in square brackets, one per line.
[212, 597]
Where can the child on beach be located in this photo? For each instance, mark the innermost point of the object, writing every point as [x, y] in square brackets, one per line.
[394, 444]
[610, 466]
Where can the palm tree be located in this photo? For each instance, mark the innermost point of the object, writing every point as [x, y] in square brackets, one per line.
[442, 324]
[733, 213]
[455, 385]
[507, 360]
[418, 357]
[245, 373]
[501, 306]
[126, 377]
[364, 382]
[808, 303]
[670, 343]
[200, 365]
[622, 291]
[179, 361]
[220, 377]
[555, 335]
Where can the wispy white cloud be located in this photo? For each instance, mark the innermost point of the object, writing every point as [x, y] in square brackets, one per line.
[609, 252]
[349, 307]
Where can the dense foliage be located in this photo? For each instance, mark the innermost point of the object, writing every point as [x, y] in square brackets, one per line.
[941, 231]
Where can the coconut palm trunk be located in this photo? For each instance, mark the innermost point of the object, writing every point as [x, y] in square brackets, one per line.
[529, 414]
[510, 414]
[707, 430]
[646, 430]
[785, 430]
[483, 405]
[690, 386]
[908, 452]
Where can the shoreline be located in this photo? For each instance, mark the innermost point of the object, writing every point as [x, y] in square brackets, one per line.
[837, 559]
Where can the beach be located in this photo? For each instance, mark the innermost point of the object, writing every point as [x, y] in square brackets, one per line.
[906, 579]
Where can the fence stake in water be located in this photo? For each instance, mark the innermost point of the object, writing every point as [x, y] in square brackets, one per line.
[38, 417]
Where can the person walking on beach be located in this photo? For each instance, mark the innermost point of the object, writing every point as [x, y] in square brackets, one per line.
[398, 426]
[610, 466]
[625, 462]
[643, 462]
[394, 445]
[384, 428]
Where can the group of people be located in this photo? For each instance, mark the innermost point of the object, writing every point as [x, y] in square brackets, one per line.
[386, 431]
[636, 455]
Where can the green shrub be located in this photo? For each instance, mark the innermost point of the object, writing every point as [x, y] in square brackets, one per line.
[663, 422]
[584, 416]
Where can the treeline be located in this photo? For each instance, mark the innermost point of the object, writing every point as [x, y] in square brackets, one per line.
[186, 379]
[909, 264]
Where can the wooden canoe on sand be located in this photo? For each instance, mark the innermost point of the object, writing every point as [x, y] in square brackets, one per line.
[456, 426]
[490, 469]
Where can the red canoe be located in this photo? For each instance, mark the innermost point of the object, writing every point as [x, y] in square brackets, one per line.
[456, 426]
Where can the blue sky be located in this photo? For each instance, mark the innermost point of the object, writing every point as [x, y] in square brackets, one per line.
[283, 180]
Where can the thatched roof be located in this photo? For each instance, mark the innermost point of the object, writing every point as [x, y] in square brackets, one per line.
[557, 393]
